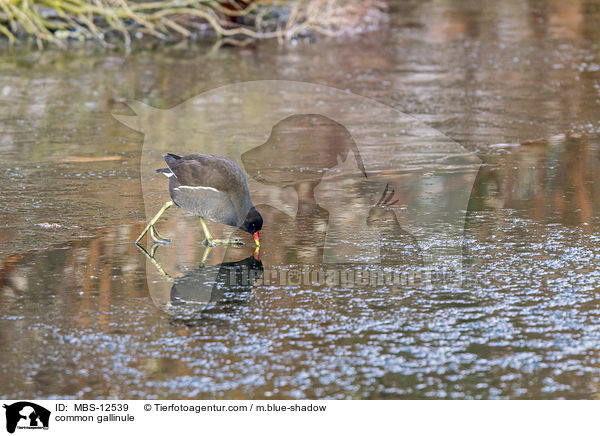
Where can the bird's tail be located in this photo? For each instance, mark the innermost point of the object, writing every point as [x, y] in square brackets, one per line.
[171, 158]
[166, 171]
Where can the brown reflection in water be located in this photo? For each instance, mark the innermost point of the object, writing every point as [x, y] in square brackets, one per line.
[75, 289]
[540, 182]
[84, 276]
[545, 180]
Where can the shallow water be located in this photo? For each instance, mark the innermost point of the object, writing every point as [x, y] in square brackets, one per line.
[85, 314]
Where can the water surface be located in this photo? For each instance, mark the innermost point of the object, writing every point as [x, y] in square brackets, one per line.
[518, 83]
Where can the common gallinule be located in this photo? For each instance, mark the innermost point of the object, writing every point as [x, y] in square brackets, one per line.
[213, 188]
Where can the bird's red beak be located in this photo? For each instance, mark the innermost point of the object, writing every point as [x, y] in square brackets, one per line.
[256, 239]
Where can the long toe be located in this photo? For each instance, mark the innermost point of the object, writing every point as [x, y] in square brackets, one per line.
[161, 241]
[156, 237]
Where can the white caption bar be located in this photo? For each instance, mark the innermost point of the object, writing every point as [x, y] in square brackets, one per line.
[306, 417]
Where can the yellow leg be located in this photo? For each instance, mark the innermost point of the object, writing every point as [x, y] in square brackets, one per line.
[207, 234]
[153, 232]
[205, 254]
[158, 266]
[213, 242]
[152, 258]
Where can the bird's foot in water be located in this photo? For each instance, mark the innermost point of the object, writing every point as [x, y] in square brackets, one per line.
[215, 242]
[151, 257]
[156, 237]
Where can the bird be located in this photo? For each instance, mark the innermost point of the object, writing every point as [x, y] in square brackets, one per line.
[213, 188]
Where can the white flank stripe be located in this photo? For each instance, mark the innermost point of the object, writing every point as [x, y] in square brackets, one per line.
[208, 188]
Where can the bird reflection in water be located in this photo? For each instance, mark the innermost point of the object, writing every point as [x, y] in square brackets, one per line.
[202, 288]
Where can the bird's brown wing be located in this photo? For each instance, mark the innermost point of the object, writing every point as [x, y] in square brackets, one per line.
[203, 186]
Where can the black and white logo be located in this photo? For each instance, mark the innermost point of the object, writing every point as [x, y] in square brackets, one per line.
[26, 415]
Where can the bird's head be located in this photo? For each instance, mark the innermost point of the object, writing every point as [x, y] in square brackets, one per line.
[253, 224]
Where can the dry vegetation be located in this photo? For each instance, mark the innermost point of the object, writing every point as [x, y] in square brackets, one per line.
[108, 21]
